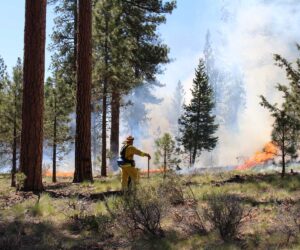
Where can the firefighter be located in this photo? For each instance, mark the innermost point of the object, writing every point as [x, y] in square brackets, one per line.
[130, 174]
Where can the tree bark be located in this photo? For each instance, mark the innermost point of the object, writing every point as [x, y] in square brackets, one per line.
[103, 152]
[104, 103]
[14, 144]
[94, 135]
[54, 145]
[83, 163]
[75, 36]
[14, 156]
[115, 129]
[33, 93]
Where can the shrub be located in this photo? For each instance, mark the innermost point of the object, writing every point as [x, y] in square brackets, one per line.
[288, 222]
[139, 211]
[172, 190]
[191, 220]
[225, 213]
[81, 219]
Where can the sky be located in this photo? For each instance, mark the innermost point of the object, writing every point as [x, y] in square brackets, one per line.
[181, 32]
[245, 35]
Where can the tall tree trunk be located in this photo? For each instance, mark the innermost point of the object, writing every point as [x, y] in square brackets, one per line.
[33, 93]
[75, 36]
[103, 151]
[54, 145]
[14, 156]
[94, 135]
[83, 163]
[104, 103]
[115, 129]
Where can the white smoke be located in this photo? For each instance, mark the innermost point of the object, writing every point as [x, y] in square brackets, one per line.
[248, 34]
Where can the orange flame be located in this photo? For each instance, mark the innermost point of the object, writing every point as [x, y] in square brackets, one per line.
[151, 171]
[270, 150]
[71, 174]
[59, 174]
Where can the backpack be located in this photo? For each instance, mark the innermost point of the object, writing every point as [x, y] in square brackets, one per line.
[122, 160]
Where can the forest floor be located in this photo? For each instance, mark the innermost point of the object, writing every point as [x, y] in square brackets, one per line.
[75, 216]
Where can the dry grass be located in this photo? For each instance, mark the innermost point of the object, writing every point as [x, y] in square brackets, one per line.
[47, 222]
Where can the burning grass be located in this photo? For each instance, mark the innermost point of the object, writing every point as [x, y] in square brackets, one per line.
[268, 153]
[47, 222]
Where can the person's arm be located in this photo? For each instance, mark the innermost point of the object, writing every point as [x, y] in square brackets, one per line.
[136, 151]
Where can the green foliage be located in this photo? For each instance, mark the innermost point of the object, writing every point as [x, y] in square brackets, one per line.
[58, 106]
[64, 40]
[286, 127]
[127, 50]
[112, 48]
[165, 151]
[10, 109]
[197, 124]
[139, 212]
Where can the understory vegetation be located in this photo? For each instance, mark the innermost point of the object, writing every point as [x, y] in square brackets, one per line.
[209, 211]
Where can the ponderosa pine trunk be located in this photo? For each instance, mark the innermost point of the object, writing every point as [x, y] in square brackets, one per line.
[33, 94]
[103, 152]
[54, 145]
[14, 145]
[83, 163]
[115, 129]
[104, 103]
[75, 36]
[14, 156]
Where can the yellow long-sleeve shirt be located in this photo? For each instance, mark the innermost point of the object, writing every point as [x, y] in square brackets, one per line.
[131, 151]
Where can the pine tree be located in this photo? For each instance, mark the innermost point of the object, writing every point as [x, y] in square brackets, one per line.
[165, 149]
[286, 128]
[111, 50]
[129, 52]
[33, 93]
[10, 113]
[197, 124]
[15, 109]
[4, 78]
[3, 73]
[64, 39]
[83, 162]
[283, 134]
[58, 106]
[292, 91]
